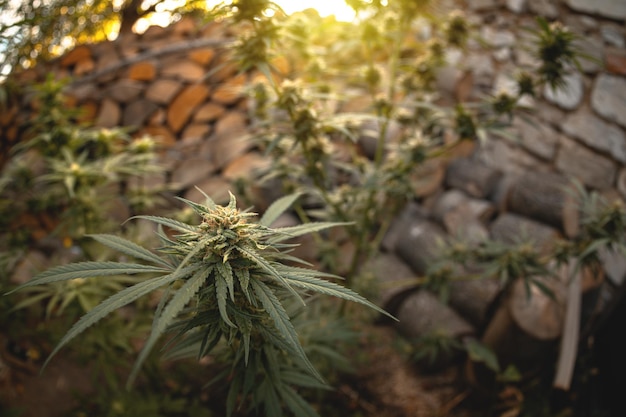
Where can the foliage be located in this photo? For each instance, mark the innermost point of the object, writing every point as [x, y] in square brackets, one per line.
[68, 170]
[227, 279]
[33, 31]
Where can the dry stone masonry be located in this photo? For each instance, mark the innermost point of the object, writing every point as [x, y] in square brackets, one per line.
[174, 84]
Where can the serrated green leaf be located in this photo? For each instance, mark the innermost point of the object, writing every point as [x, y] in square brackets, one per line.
[298, 406]
[243, 276]
[182, 297]
[277, 208]
[286, 233]
[480, 353]
[122, 298]
[305, 279]
[129, 248]
[279, 316]
[221, 289]
[225, 271]
[88, 270]
[269, 269]
[171, 223]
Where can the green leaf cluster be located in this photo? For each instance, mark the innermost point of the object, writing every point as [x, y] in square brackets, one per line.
[226, 280]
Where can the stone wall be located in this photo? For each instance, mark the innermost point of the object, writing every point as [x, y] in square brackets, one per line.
[579, 131]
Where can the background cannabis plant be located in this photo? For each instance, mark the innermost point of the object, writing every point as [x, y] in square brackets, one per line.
[226, 281]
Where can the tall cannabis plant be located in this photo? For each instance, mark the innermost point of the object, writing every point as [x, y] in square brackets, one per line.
[227, 280]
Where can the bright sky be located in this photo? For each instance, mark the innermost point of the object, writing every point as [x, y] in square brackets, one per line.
[325, 8]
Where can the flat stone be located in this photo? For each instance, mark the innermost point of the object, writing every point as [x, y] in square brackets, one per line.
[422, 313]
[233, 123]
[223, 148]
[109, 114]
[184, 70]
[246, 166]
[614, 264]
[196, 130]
[596, 133]
[209, 112]
[511, 228]
[191, 172]
[215, 187]
[570, 95]
[142, 71]
[202, 56]
[592, 47]
[482, 4]
[545, 8]
[230, 91]
[621, 182]
[589, 167]
[125, 90]
[76, 55]
[609, 98]
[613, 35]
[161, 134]
[505, 156]
[183, 106]
[516, 6]
[498, 38]
[418, 244]
[614, 9]
[138, 112]
[615, 61]
[391, 278]
[163, 91]
[538, 138]
[30, 265]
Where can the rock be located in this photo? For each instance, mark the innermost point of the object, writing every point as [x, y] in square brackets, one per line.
[191, 172]
[615, 61]
[621, 182]
[246, 166]
[161, 134]
[579, 162]
[230, 91]
[233, 123]
[592, 47]
[471, 176]
[142, 71]
[511, 228]
[479, 5]
[422, 314]
[183, 106]
[399, 225]
[538, 138]
[392, 279]
[427, 177]
[614, 9]
[498, 38]
[209, 112]
[30, 265]
[608, 96]
[613, 35]
[223, 148]
[196, 131]
[596, 133]
[419, 243]
[202, 56]
[125, 90]
[516, 6]
[545, 8]
[215, 187]
[614, 265]
[76, 55]
[138, 112]
[109, 114]
[163, 91]
[568, 96]
[184, 70]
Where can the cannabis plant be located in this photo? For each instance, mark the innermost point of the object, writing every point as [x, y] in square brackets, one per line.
[227, 280]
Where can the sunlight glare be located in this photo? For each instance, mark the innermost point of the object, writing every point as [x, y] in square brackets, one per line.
[338, 8]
